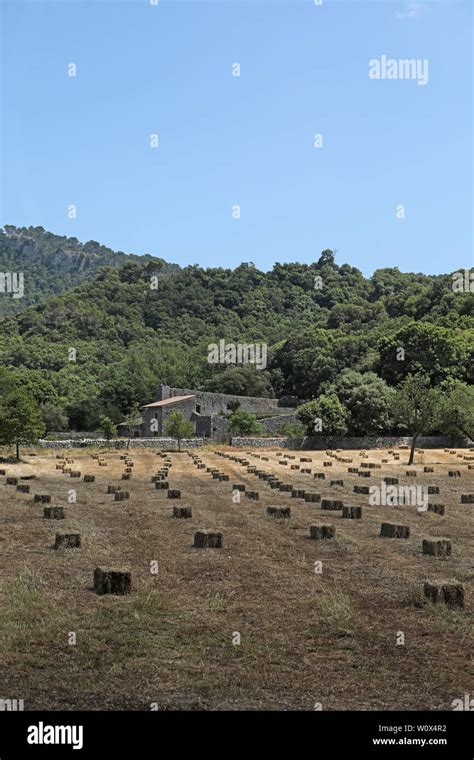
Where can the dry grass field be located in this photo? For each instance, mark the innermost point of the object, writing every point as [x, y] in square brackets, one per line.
[306, 637]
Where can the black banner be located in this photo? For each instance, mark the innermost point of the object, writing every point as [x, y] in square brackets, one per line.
[106, 734]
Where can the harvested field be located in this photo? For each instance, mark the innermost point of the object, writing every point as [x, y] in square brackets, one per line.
[318, 620]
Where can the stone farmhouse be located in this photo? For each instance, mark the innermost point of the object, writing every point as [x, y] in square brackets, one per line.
[207, 411]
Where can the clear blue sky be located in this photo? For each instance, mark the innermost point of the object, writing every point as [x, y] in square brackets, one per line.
[224, 140]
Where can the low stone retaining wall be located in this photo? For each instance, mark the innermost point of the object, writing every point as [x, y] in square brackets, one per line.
[121, 443]
[365, 442]
[273, 424]
[299, 444]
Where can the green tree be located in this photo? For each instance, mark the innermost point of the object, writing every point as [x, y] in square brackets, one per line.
[233, 405]
[134, 417]
[243, 380]
[456, 413]
[20, 420]
[416, 407]
[368, 400]
[54, 417]
[244, 423]
[292, 430]
[421, 348]
[108, 427]
[178, 427]
[325, 415]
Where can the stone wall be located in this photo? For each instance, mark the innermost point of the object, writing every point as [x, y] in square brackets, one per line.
[74, 434]
[366, 442]
[273, 424]
[121, 443]
[213, 403]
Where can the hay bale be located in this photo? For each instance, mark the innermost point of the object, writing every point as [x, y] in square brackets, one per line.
[274, 483]
[428, 469]
[467, 498]
[437, 547]
[436, 508]
[352, 513]
[182, 512]
[433, 489]
[174, 493]
[361, 489]
[121, 496]
[67, 541]
[454, 473]
[224, 478]
[322, 532]
[305, 470]
[12, 481]
[312, 497]
[336, 483]
[286, 487]
[327, 464]
[449, 592]
[89, 478]
[53, 513]
[238, 487]
[113, 489]
[353, 470]
[411, 473]
[112, 581]
[208, 539]
[252, 495]
[162, 485]
[332, 505]
[392, 530]
[126, 476]
[319, 476]
[364, 474]
[281, 513]
[298, 493]
[391, 481]
[42, 498]
[283, 462]
[23, 488]
[75, 474]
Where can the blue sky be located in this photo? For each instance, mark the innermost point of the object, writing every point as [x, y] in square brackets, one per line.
[248, 140]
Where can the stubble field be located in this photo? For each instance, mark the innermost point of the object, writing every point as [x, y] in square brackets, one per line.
[272, 620]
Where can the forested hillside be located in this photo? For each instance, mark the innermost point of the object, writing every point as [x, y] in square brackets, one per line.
[108, 342]
[52, 264]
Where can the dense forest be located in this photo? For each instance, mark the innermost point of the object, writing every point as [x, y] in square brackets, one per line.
[106, 328]
[52, 264]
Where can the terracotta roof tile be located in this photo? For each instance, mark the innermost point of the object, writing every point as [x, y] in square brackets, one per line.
[166, 401]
